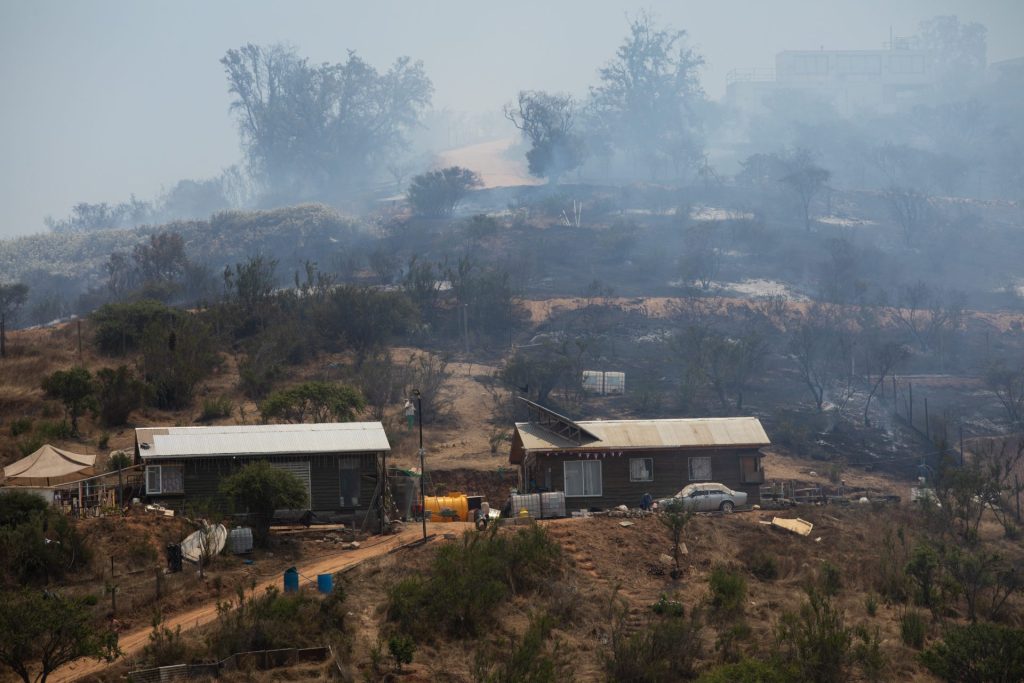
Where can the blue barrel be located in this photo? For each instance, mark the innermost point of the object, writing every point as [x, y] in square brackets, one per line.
[291, 580]
[325, 583]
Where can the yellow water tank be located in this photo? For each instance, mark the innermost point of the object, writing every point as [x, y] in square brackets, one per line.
[451, 508]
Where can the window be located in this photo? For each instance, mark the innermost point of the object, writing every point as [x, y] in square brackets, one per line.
[582, 478]
[700, 469]
[641, 469]
[349, 481]
[165, 479]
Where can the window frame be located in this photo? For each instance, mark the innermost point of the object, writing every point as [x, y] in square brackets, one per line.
[649, 469]
[583, 480]
[161, 489]
[690, 468]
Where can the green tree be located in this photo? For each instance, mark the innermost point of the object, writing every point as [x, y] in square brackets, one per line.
[40, 632]
[119, 328]
[314, 130]
[437, 193]
[315, 401]
[12, 298]
[649, 98]
[118, 393]
[176, 355]
[547, 121]
[674, 517]
[75, 389]
[260, 488]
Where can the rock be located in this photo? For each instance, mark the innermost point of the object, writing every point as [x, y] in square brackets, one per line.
[622, 508]
[666, 559]
[626, 523]
[683, 550]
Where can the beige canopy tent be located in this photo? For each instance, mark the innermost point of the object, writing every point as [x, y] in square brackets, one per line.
[49, 466]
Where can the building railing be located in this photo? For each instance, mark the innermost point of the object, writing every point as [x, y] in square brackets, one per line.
[749, 75]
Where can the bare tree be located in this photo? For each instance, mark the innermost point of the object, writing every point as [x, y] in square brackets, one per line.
[910, 208]
[806, 179]
[1007, 383]
[884, 356]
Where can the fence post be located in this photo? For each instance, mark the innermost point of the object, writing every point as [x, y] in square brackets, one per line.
[962, 450]
[927, 432]
[1016, 482]
[910, 405]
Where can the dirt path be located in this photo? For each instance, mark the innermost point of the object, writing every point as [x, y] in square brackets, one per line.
[131, 643]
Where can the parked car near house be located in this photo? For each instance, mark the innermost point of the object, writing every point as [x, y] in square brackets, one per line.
[707, 498]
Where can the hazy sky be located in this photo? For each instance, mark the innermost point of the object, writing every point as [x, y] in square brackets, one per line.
[102, 99]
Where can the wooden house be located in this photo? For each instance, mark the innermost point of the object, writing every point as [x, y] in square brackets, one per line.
[340, 464]
[600, 464]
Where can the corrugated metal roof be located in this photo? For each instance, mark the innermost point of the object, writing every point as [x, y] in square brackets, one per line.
[227, 440]
[713, 432]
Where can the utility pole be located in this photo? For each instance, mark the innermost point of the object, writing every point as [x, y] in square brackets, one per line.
[423, 469]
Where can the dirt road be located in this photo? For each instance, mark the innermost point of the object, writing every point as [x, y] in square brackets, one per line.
[132, 642]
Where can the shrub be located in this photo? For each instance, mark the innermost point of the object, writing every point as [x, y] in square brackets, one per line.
[815, 640]
[401, 649]
[977, 652]
[868, 653]
[215, 408]
[913, 629]
[120, 327]
[831, 579]
[53, 430]
[750, 671]
[468, 580]
[21, 425]
[261, 489]
[274, 620]
[871, 604]
[437, 193]
[165, 647]
[666, 650]
[668, 608]
[118, 393]
[534, 658]
[728, 590]
[763, 566]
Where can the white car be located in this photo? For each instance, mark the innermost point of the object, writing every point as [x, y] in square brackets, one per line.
[706, 498]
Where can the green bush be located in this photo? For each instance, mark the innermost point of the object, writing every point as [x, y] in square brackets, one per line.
[868, 653]
[815, 640]
[871, 604]
[913, 629]
[21, 425]
[468, 580]
[534, 658]
[274, 620]
[667, 650]
[668, 608]
[119, 327]
[979, 652]
[728, 591]
[215, 408]
[37, 545]
[53, 430]
[165, 647]
[402, 649]
[751, 671]
[831, 580]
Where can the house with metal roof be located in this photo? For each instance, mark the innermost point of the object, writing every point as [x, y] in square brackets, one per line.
[600, 464]
[339, 463]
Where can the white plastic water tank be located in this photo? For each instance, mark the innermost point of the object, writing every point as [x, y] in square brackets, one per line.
[240, 540]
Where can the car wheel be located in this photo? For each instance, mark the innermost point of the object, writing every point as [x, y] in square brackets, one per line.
[727, 506]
